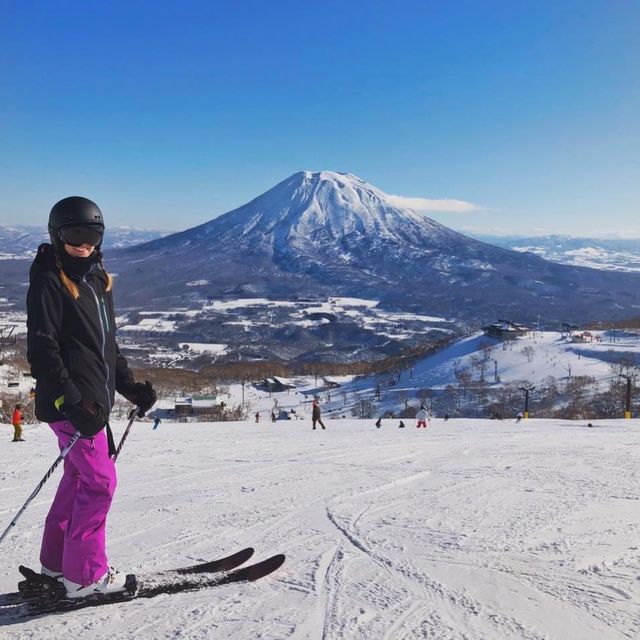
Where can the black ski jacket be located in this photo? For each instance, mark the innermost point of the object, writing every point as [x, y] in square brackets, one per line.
[71, 344]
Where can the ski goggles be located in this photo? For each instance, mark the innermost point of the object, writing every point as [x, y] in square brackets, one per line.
[79, 235]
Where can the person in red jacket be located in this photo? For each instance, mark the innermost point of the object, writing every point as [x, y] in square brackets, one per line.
[16, 421]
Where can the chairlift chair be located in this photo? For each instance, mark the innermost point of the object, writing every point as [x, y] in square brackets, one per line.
[13, 379]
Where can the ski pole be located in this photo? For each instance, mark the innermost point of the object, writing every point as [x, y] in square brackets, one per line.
[132, 416]
[59, 459]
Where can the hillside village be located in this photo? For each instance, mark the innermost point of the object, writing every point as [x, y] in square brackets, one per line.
[571, 373]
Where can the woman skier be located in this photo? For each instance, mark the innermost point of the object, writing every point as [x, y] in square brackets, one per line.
[78, 367]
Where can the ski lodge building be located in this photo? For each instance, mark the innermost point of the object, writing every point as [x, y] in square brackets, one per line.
[505, 330]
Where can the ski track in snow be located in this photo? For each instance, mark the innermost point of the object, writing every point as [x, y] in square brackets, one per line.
[468, 530]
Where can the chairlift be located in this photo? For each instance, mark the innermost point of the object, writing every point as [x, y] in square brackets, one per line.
[13, 379]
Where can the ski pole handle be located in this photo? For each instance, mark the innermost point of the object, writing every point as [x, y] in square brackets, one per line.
[59, 459]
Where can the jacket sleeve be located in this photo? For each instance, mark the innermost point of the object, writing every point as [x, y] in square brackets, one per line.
[44, 325]
[124, 377]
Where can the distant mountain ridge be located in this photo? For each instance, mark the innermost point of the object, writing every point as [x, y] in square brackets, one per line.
[21, 241]
[331, 233]
[614, 254]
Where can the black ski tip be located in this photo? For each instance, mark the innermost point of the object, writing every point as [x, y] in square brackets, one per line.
[232, 561]
[256, 571]
[269, 565]
[221, 564]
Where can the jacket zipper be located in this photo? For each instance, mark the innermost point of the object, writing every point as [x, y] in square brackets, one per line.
[104, 326]
[103, 309]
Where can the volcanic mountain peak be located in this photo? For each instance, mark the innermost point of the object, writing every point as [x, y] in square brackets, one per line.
[321, 206]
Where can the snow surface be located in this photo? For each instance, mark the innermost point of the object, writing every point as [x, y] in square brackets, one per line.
[469, 529]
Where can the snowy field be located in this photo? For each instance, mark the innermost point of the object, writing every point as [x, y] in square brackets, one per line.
[470, 529]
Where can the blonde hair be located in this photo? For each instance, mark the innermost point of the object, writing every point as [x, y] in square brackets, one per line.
[69, 284]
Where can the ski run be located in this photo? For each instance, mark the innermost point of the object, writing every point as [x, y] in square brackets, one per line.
[469, 529]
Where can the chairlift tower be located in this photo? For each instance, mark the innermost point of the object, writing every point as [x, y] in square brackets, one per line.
[630, 380]
[7, 337]
[527, 390]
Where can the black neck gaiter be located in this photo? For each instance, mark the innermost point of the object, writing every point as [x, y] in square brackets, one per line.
[77, 267]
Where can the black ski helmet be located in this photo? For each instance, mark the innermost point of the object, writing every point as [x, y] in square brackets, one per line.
[73, 211]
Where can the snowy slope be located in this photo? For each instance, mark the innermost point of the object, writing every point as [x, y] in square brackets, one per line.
[552, 355]
[470, 529]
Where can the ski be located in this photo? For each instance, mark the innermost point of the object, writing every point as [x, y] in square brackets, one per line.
[215, 566]
[162, 583]
[35, 585]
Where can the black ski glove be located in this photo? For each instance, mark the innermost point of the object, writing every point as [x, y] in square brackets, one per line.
[143, 395]
[87, 417]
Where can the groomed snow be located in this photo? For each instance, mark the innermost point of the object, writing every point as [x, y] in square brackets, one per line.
[469, 529]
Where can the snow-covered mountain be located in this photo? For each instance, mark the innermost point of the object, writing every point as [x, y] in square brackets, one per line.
[614, 254]
[327, 233]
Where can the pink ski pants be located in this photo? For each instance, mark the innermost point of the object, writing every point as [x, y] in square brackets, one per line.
[74, 531]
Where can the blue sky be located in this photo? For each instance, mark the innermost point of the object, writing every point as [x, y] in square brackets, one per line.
[170, 113]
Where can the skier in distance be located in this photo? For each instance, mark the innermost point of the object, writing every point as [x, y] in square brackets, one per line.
[422, 417]
[74, 357]
[316, 414]
[16, 421]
